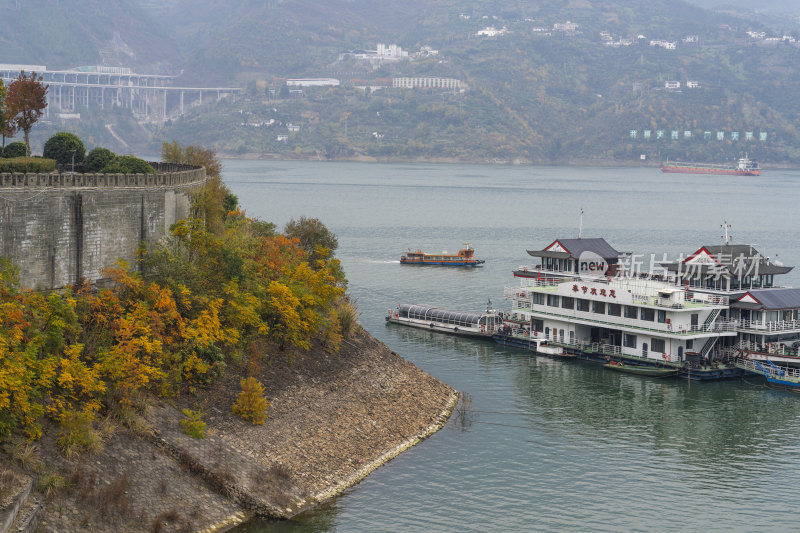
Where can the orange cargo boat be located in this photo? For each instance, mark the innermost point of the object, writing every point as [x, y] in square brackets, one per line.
[463, 258]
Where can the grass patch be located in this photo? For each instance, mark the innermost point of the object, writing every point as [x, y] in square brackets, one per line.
[348, 313]
[77, 434]
[50, 482]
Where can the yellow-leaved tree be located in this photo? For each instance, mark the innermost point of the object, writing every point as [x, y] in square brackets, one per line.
[251, 403]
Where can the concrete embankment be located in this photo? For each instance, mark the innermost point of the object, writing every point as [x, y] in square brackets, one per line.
[333, 419]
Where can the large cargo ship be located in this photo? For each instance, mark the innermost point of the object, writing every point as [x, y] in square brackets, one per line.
[743, 167]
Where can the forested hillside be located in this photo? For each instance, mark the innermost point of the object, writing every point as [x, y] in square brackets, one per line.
[535, 92]
[59, 34]
[548, 81]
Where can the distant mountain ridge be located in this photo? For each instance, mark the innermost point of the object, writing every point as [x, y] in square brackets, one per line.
[62, 34]
[559, 80]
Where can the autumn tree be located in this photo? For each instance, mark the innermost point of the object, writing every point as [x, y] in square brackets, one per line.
[316, 239]
[251, 403]
[25, 102]
[7, 128]
[214, 200]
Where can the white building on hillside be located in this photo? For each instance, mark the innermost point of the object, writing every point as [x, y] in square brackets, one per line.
[312, 82]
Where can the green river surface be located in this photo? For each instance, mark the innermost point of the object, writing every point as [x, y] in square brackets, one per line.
[547, 445]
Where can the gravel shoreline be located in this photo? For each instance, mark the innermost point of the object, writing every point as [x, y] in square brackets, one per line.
[333, 419]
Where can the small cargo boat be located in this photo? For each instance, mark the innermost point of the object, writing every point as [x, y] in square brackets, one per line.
[642, 370]
[464, 257]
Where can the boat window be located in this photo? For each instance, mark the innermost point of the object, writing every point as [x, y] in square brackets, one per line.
[631, 311]
[537, 325]
[538, 298]
[694, 319]
[561, 336]
[658, 345]
[552, 300]
[648, 314]
[567, 302]
[599, 307]
[628, 340]
[689, 344]
[662, 318]
[614, 309]
[583, 305]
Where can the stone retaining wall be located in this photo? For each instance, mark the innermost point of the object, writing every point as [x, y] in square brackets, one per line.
[59, 228]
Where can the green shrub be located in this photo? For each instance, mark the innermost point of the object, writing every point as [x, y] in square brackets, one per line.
[98, 159]
[193, 424]
[27, 165]
[15, 149]
[128, 164]
[114, 168]
[62, 146]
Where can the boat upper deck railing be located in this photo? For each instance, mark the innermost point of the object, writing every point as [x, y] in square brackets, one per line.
[527, 283]
[779, 325]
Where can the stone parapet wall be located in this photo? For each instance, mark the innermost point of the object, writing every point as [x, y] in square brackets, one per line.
[59, 228]
[191, 176]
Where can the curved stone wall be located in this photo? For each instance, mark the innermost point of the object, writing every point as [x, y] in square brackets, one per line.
[59, 228]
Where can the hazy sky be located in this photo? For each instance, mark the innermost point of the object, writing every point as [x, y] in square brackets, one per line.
[752, 5]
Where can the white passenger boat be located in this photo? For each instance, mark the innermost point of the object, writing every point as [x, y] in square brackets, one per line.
[463, 323]
[697, 313]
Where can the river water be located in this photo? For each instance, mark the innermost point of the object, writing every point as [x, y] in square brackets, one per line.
[547, 445]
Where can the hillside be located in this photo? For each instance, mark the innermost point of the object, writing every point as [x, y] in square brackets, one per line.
[537, 92]
[60, 34]
[553, 81]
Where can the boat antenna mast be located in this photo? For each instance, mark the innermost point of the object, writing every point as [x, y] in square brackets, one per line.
[727, 237]
[580, 224]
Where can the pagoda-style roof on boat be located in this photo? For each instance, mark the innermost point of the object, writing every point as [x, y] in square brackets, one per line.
[734, 258]
[774, 299]
[573, 248]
